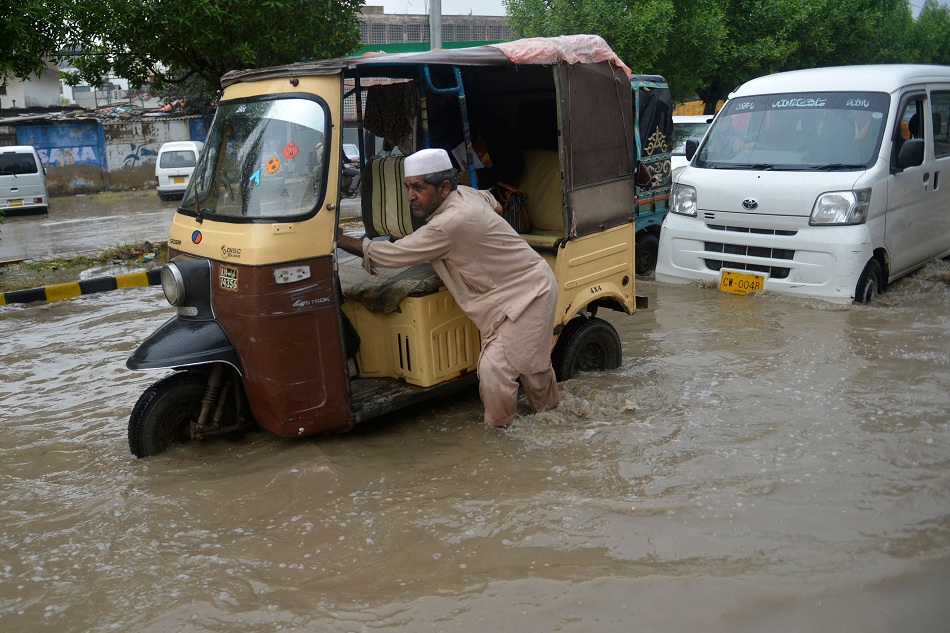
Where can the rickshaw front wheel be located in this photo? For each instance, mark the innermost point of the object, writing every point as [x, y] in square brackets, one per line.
[164, 412]
[586, 344]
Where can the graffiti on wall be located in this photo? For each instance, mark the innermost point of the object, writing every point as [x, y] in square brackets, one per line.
[62, 156]
[137, 153]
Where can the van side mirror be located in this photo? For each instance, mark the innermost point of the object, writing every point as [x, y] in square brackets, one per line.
[691, 146]
[911, 153]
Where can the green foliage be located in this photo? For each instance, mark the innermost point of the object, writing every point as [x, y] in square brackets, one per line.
[932, 33]
[709, 47]
[29, 33]
[161, 42]
[647, 34]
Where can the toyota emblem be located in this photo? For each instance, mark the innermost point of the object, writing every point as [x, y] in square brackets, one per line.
[749, 204]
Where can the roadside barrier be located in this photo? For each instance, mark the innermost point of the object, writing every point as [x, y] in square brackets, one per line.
[86, 287]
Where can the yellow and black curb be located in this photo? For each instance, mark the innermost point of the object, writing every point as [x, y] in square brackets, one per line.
[86, 287]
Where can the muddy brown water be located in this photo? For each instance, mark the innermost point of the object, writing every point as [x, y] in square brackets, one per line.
[756, 464]
[78, 224]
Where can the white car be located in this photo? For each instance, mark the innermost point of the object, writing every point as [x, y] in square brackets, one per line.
[685, 127]
[176, 161]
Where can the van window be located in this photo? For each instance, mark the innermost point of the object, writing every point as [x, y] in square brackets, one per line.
[178, 159]
[910, 124]
[940, 102]
[814, 131]
[14, 164]
[264, 160]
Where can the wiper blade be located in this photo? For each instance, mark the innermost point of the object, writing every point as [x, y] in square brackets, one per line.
[752, 166]
[836, 167]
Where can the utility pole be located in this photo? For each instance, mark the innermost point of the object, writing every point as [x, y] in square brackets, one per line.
[435, 24]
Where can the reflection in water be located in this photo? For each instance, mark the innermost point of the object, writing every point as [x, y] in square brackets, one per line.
[87, 223]
[757, 463]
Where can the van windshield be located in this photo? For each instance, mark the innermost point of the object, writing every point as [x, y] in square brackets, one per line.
[264, 160]
[815, 131]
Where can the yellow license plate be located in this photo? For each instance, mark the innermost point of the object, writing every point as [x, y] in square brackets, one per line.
[740, 283]
[16, 202]
[178, 180]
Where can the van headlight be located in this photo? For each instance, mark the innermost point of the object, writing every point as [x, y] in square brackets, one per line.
[173, 284]
[841, 207]
[683, 200]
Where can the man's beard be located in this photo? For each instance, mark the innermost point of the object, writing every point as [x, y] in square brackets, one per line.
[421, 211]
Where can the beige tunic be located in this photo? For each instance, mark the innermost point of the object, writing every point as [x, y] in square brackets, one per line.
[490, 270]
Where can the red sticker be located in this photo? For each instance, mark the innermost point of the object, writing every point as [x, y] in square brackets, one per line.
[290, 150]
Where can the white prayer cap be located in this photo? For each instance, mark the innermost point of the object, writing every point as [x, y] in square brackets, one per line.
[427, 161]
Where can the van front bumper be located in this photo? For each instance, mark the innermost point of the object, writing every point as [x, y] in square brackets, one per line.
[822, 262]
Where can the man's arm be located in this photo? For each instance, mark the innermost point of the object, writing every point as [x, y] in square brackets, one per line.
[352, 245]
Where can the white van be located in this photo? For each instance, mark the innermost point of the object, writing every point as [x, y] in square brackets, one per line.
[825, 183]
[176, 161]
[22, 181]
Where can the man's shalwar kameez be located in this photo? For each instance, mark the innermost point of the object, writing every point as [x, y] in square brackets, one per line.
[506, 289]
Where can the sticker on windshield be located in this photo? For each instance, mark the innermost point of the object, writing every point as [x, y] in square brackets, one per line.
[799, 103]
[255, 178]
[290, 150]
[272, 164]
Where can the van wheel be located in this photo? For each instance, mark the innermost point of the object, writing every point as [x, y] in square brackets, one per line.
[163, 414]
[870, 283]
[647, 249]
[586, 345]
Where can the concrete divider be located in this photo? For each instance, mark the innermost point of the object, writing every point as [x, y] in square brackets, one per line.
[86, 287]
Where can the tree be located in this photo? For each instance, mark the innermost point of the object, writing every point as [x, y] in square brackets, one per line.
[710, 47]
[678, 39]
[161, 42]
[29, 35]
[932, 33]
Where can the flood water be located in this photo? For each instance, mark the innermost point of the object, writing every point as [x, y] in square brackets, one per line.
[87, 223]
[757, 464]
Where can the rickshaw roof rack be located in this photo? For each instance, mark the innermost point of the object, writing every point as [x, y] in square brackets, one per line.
[540, 51]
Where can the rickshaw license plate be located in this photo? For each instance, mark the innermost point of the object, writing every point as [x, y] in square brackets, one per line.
[738, 283]
[178, 180]
[16, 202]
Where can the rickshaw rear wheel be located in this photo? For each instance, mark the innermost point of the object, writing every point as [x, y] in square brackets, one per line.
[164, 412]
[586, 344]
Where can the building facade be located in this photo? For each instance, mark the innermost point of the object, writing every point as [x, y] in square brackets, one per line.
[380, 28]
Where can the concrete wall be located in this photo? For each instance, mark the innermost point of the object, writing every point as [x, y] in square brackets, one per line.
[89, 156]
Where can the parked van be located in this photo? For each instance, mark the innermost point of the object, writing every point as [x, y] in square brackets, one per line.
[22, 181]
[825, 183]
[176, 161]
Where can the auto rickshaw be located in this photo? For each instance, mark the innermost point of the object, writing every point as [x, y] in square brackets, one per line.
[277, 328]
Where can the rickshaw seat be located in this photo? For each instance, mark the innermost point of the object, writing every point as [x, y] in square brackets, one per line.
[384, 291]
[385, 199]
[541, 183]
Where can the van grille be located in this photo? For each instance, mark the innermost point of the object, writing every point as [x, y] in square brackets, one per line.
[750, 251]
[745, 229]
[774, 272]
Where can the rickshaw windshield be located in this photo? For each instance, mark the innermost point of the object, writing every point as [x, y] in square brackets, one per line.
[264, 160]
[816, 131]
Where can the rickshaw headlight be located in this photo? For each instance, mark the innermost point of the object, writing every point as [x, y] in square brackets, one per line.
[173, 284]
[683, 200]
